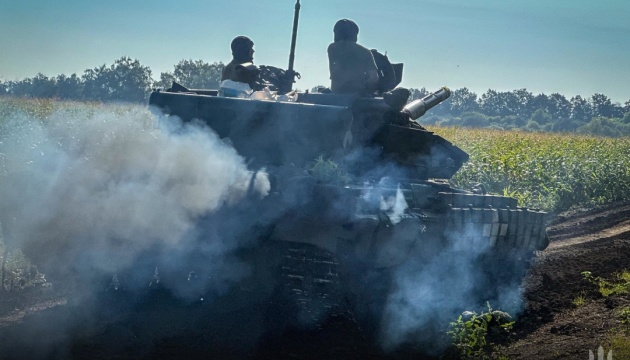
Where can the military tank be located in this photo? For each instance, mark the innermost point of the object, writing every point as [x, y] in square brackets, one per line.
[391, 201]
[358, 187]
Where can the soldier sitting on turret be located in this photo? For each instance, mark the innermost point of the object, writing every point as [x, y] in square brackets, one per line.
[352, 66]
[241, 68]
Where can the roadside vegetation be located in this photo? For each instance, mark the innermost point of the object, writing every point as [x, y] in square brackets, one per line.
[470, 332]
[620, 285]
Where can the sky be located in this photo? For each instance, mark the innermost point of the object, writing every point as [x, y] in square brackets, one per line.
[572, 47]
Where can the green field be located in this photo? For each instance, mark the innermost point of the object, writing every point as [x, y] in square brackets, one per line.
[547, 171]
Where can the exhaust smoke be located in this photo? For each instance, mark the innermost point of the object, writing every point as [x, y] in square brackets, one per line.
[89, 189]
[430, 292]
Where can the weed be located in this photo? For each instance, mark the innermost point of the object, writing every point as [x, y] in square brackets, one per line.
[468, 332]
[620, 346]
[620, 286]
[624, 317]
[580, 300]
[328, 171]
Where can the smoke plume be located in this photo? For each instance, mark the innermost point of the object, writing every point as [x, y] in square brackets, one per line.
[91, 189]
[429, 292]
[95, 190]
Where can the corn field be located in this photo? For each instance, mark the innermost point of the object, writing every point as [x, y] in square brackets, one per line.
[553, 172]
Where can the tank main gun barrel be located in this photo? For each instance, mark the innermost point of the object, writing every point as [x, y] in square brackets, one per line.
[419, 107]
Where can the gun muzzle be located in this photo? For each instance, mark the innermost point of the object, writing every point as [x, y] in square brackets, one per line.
[419, 107]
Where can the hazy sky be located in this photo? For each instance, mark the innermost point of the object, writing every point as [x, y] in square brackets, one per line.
[574, 47]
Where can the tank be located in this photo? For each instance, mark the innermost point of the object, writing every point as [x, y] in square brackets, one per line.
[359, 194]
[358, 189]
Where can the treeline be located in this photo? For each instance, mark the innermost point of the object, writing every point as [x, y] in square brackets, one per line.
[127, 80]
[522, 110]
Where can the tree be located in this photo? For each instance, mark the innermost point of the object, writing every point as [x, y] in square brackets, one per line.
[501, 103]
[490, 103]
[69, 87]
[475, 120]
[540, 101]
[541, 117]
[166, 79]
[559, 107]
[131, 81]
[417, 93]
[533, 125]
[43, 86]
[580, 110]
[509, 122]
[125, 80]
[603, 106]
[604, 126]
[565, 125]
[523, 99]
[39, 86]
[555, 105]
[194, 74]
[95, 84]
[511, 104]
[463, 100]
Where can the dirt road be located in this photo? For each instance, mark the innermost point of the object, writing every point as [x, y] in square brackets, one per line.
[552, 326]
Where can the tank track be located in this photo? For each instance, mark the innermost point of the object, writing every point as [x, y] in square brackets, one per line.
[309, 279]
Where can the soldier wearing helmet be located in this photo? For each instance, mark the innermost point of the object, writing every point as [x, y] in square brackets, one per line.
[352, 66]
[241, 68]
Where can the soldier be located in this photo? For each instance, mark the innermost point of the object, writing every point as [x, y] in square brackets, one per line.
[241, 68]
[352, 66]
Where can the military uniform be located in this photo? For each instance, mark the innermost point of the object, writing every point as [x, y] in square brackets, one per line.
[229, 72]
[350, 65]
[237, 71]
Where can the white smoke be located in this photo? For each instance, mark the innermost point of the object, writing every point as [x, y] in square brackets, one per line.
[99, 189]
[91, 188]
[394, 206]
[428, 293]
